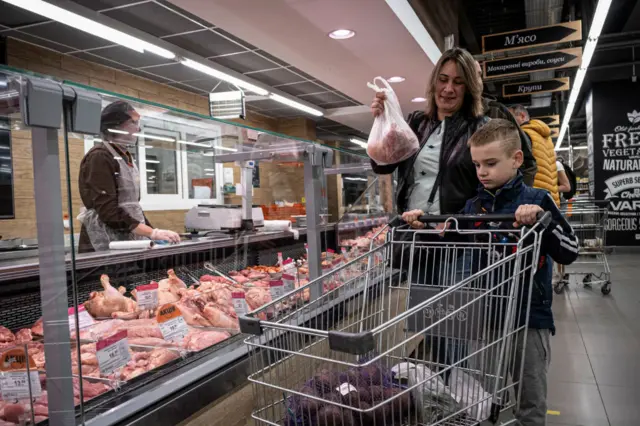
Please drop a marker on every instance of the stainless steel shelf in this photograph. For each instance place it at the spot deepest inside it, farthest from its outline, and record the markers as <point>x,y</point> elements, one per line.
<point>11,269</point>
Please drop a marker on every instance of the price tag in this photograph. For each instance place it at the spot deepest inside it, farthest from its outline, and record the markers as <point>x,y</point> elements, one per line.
<point>172,324</point>
<point>276,288</point>
<point>239,303</point>
<point>113,352</point>
<point>13,384</point>
<point>147,296</point>
<point>330,253</point>
<point>84,319</point>
<point>289,282</point>
<point>280,261</point>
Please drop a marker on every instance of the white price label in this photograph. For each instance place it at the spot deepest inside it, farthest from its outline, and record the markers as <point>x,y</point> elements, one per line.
<point>288,282</point>
<point>113,352</point>
<point>239,303</point>
<point>280,259</point>
<point>289,266</point>
<point>84,319</point>
<point>147,296</point>
<point>172,325</point>
<point>15,386</point>
<point>276,288</point>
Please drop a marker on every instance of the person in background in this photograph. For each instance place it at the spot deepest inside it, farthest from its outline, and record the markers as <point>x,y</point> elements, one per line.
<point>496,154</point>
<point>109,185</point>
<point>563,186</point>
<point>494,109</point>
<point>543,151</point>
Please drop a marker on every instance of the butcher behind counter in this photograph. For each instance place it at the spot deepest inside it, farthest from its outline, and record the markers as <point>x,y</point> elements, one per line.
<point>109,184</point>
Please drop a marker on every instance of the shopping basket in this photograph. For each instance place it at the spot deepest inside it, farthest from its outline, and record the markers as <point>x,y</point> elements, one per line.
<point>588,218</point>
<point>356,355</point>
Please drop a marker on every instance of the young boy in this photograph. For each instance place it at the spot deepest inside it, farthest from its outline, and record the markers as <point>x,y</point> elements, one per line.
<point>495,150</point>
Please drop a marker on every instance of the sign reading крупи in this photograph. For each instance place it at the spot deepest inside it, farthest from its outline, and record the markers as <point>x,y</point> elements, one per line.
<point>530,37</point>
<point>560,84</point>
<point>526,64</point>
<point>614,152</point>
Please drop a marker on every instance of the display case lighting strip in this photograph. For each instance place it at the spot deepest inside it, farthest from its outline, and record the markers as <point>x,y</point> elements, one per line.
<point>296,105</point>
<point>154,138</point>
<point>358,142</point>
<point>599,18</point>
<point>90,26</point>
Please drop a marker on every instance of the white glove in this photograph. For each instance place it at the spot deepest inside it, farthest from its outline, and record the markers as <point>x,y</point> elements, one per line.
<point>165,235</point>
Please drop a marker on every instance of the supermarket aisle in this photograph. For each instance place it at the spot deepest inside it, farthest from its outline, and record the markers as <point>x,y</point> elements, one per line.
<point>595,369</point>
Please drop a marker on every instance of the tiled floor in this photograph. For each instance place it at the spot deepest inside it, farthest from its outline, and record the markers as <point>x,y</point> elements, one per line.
<point>595,366</point>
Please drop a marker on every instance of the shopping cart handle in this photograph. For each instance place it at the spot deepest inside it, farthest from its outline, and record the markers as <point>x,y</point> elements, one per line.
<point>543,217</point>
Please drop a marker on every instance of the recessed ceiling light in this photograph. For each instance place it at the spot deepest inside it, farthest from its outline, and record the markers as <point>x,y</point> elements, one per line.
<point>396,79</point>
<point>418,99</point>
<point>342,34</point>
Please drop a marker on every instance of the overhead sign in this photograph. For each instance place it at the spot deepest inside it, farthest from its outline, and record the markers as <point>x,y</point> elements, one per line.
<point>530,37</point>
<point>526,64</point>
<point>533,87</point>
<point>613,112</point>
<point>549,120</point>
<point>555,132</point>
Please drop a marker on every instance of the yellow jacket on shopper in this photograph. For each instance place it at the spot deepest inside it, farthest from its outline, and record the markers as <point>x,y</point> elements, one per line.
<point>545,155</point>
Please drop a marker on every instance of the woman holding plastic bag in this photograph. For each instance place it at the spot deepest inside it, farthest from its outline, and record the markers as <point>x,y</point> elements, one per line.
<point>438,176</point>
<point>435,172</point>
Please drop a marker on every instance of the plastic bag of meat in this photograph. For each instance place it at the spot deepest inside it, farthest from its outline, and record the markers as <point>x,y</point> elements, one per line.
<point>391,139</point>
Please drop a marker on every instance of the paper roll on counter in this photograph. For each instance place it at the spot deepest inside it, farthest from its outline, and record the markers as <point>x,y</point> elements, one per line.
<point>131,245</point>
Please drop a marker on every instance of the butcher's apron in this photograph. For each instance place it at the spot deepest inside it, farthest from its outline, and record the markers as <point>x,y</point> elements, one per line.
<point>128,184</point>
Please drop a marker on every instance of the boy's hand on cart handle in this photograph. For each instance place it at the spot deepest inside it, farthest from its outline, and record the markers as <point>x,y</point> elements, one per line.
<point>443,227</point>
<point>412,216</point>
<point>527,214</point>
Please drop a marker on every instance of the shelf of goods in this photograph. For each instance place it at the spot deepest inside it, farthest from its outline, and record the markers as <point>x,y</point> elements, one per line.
<point>135,355</point>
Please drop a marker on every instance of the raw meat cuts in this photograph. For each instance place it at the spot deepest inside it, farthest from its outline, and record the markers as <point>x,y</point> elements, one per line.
<point>191,312</point>
<point>257,297</point>
<point>6,336</point>
<point>24,336</point>
<point>197,340</point>
<point>38,328</point>
<point>218,318</point>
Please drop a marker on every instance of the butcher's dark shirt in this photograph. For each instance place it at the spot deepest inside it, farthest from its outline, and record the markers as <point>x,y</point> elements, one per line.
<point>99,190</point>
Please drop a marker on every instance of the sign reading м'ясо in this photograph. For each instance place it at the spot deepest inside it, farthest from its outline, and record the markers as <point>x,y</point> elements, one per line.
<point>531,37</point>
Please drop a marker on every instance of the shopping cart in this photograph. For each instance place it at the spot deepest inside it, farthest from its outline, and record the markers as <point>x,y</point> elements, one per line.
<point>588,218</point>
<point>366,353</point>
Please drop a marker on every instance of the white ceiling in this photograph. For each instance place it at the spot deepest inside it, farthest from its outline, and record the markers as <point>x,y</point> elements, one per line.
<point>296,31</point>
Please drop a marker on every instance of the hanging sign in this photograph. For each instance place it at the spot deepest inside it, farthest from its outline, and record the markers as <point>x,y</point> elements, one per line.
<point>534,87</point>
<point>549,120</point>
<point>613,115</point>
<point>530,37</point>
<point>526,64</point>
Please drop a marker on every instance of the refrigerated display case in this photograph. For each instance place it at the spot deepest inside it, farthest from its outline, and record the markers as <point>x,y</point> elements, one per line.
<point>100,330</point>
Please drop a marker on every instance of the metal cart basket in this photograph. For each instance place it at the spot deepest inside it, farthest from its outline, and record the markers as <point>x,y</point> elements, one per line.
<point>369,351</point>
<point>588,218</point>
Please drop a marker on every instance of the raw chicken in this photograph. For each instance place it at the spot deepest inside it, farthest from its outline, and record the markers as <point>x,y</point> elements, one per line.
<point>24,336</point>
<point>197,340</point>
<point>6,336</point>
<point>159,357</point>
<point>168,289</point>
<point>99,330</point>
<point>13,412</point>
<point>102,304</point>
<point>89,389</point>
<point>257,297</point>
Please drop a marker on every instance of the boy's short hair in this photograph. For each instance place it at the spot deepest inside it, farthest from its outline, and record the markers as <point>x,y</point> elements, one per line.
<point>498,129</point>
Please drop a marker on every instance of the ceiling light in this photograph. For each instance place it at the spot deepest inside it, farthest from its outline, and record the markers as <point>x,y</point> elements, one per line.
<point>296,105</point>
<point>150,171</point>
<point>120,132</point>
<point>200,144</point>
<point>153,137</point>
<point>412,23</point>
<point>222,76</point>
<point>223,148</point>
<point>396,79</point>
<point>209,174</point>
<point>94,28</point>
<point>342,34</point>
<point>358,142</point>
<point>600,16</point>
<point>356,179</point>
<point>152,161</point>
<point>419,99</point>
<point>227,117</point>
<point>209,170</point>
<point>97,140</point>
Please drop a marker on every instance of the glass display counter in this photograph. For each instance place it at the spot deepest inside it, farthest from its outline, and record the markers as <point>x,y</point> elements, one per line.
<point>106,333</point>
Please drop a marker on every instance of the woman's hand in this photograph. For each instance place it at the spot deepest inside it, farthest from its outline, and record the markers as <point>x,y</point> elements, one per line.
<point>527,214</point>
<point>411,217</point>
<point>165,235</point>
<point>377,106</point>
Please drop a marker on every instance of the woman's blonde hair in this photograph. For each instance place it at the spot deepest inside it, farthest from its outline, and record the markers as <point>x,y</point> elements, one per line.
<point>472,103</point>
